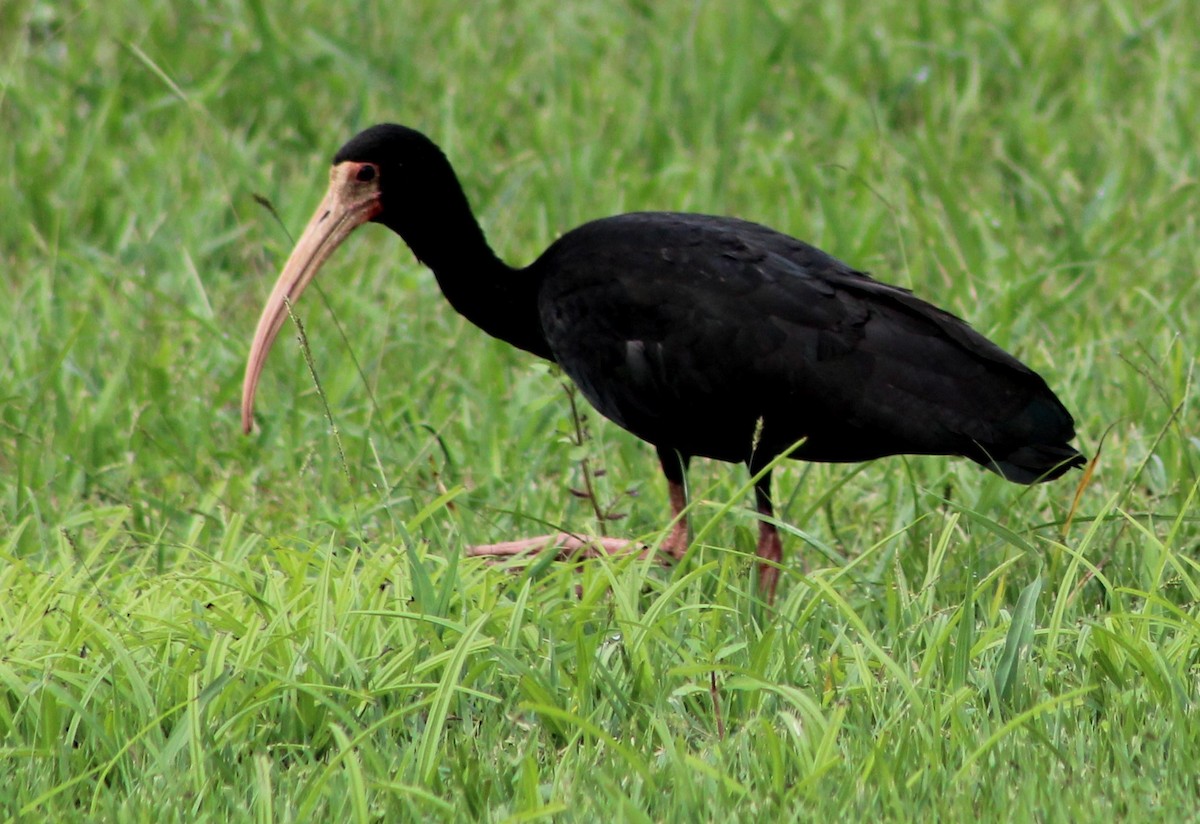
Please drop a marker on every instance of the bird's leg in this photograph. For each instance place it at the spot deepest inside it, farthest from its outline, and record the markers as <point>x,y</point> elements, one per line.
<point>676,543</point>
<point>674,466</point>
<point>770,548</point>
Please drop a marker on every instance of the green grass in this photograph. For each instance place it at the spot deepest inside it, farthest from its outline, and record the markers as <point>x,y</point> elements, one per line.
<point>200,626</point>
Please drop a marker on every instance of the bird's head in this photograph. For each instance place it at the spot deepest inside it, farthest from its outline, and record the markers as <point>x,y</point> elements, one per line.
<point>382,174</point>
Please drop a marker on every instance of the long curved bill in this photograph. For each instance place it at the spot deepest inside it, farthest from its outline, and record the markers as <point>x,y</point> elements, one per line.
<point>353,199</point>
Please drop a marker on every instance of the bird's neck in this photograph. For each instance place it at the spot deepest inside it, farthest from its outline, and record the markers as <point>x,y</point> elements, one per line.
<point>494,296</point>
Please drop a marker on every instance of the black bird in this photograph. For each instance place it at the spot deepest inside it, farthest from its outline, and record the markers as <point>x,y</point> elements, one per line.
<point>702,335</point>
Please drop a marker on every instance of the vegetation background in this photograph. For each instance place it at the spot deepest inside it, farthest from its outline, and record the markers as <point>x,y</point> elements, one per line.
<point>201,626</point>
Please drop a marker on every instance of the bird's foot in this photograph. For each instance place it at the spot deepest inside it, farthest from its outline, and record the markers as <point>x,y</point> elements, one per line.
<point>676,544</point>
<point>563,545</point>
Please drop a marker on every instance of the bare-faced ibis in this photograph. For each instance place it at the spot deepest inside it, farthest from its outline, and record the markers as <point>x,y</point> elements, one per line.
<point>702,335</point>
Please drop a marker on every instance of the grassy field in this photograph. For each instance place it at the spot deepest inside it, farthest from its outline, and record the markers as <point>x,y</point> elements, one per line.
<point>201,626</point>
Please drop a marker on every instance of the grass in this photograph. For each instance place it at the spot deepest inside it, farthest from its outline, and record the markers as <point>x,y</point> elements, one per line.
<point>199,626</point>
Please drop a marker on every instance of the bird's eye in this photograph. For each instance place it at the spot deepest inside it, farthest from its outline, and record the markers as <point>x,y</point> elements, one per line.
<point>366,173</point>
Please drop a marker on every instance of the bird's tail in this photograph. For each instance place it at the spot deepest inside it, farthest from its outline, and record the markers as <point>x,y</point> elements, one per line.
<point>1035,463</point>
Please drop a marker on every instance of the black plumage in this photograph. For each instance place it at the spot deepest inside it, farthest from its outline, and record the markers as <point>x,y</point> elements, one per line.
<point>705,336</point>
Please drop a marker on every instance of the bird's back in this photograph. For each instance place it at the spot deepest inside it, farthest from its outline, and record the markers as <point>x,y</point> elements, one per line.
<point>720,337</point>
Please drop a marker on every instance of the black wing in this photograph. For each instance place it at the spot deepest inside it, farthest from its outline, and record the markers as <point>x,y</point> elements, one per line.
<point>717,337</point>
